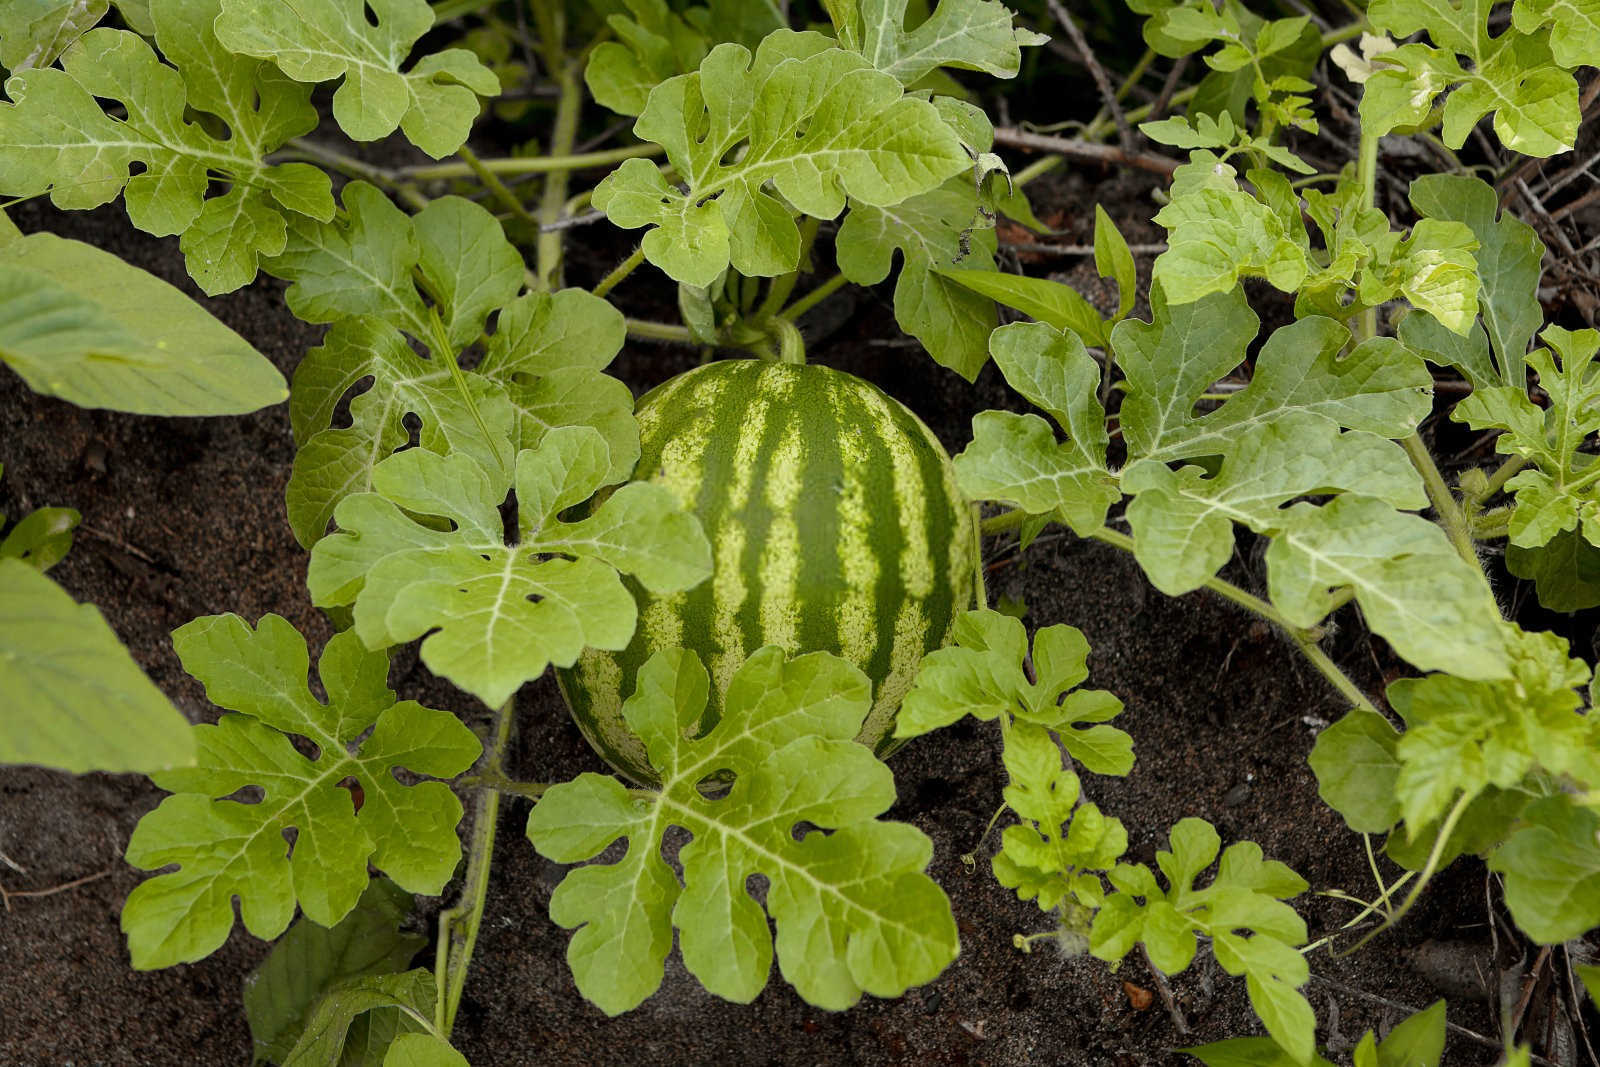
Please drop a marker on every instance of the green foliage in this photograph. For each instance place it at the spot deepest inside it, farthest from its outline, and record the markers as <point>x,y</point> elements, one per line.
<point>434,103</point>
<point>853,911</point>
<point>36,32</point>
<point>310,960</point>
<point>1247,894</point>
<point>227,848</point>
<point>542,366</point>
<point>1551,866</point>
<point>400,1004</point>
<point>1517,76</point>
<point>56,137</point>
<point>75,698</point>
<point>966,34</point>
<point>497,615</point>
<point>1556,494</point>
<point>815,122</point>
<point>80,324</point>
<point>1416,1041</point>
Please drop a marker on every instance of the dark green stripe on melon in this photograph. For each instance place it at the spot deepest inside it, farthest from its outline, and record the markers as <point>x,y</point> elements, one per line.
<point>835,524</point>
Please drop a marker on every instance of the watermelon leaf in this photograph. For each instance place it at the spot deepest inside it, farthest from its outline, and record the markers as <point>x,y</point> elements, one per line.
<point>310,959</point>
<point>497,615</point>
<point>227,848</point>
<point>1551,865</point>
<point>930,230</point>
<point>1529,88</point>
<point>966,34</point>
<point>853,909</point>
<point>793,104</point>
<point>382,1000</point>
<point>434,103</point>
<point>1557,493</point>
<point>38,31</point>
<point>55,136</point>
<point>1246,894</point>
<point>542,367</point>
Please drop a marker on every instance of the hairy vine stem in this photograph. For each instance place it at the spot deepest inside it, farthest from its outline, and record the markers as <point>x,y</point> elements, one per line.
<point>458,926</point>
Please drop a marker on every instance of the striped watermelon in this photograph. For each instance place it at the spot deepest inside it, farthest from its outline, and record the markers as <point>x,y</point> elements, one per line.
<point>835,524</point>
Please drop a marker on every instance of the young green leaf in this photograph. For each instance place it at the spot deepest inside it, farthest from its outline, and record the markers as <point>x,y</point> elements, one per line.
<point>311,959</point>
<point>1113,260</point>
<point>422,1050</point>
<point>328,1028</point>
<point>434,103</point>
<point>1515,75</point>
<point>41,539</point>
<point>1016,458</point>
<point>930,231</point>
<point>981,674</point>
<point>1558,493</point>
<point>228,848</point>
<point>1356,766</point>
<point>1463,736</point>
<point>853,909</point>
<point>966,34</point>
<point>55,137</point>
<point>1416,1041</point>
<point>1551,866</point>
<point>1247,894</point>
<point>1509,257</point>
<point>497,615</point>
<point>36,32</point>
<point>76,699</point>
<point>81,324</point>
<point>816,124</point>
<point>1047,857</point>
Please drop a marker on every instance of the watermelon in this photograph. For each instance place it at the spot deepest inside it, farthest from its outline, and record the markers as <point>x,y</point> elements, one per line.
<point>835,524</point>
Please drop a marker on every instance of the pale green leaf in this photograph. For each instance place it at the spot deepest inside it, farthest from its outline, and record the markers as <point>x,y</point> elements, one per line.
<point>1534,99</point>
<point>931,231</point>
<point>815,125</point>
<point>38,31</point>
<point>1218,234</point>
<point>1355,764</point>
<point>1016,458</point>
<point>81,324</point>
<point>1574,27</point>
<point>1250,1052</point>
<point>422,1050</point>
<point>42,538</point>
<point>310,959</point>
<point>1558,493</point>
<point>55,137</point>
<point>1414,589</point>
<point>966,34</point>
<point>496,614</point>
<point>1113,260</point>
<point>229,848</point>
<point>435,102</point>
<point>1416,1041</point>
<point>853,911</point>
<point>653,45</point>
<point>1565,571</point>
<point>1551,866</point>
<point>1183,522</point>
<point>76,700</point>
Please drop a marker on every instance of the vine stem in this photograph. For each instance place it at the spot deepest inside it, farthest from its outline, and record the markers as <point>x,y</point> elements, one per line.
<point>659,331</point>
<point>453,956</point>
<point>1435,854</point>
<point>492,180</point>
<point>530,165</point>
<point>1451,516</point>
<point>1497,481</point>
<point>813,298</point>
<point>1303,640</point>
<point>548,249</point>
<point>623,269</point>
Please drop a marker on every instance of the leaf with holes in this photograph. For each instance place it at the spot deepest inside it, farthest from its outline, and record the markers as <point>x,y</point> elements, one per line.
<point>434,103</point>
<point>425,553</point>
<point>853,910</point>
<point>816,124</point>
<point>227,848</point>
<point>1247,894</point>
<point>56,137</point>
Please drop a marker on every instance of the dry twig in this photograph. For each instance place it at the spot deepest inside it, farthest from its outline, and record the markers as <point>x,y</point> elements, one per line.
<point>1096,71</point>
<point>1085,150</point>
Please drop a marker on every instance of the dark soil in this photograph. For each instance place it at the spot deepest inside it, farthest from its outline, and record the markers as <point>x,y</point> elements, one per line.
<point>185,517</point>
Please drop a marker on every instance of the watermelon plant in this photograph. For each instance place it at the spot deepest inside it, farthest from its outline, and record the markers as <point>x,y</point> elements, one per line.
<point>764,574</point>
